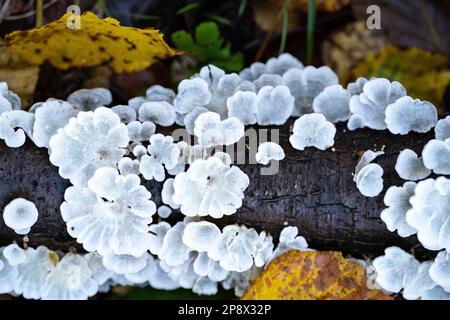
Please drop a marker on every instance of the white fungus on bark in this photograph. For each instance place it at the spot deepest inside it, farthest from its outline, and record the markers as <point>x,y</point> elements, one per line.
<point>333,102</point>
<point>209,187</point>
<point>436,156</point>
<point>289,240</point>
<point>15,125</point>
<point>243,105</point>
<point>442,129</point>
<point>275,105</point>
<point>167,194</point>
<point>164,212</point>
<point>91,140</point>
<point>440,270</point>
<point>368,108</point>
<point>410,167</point>
<point>192,93</point>
<point>397,201</point>
<point>49,117</point>
<point>113,214</point>
<point>211,131</point>
<point>162,152</point>
<point>14,254</point>
<point>312,130</point>
<point>90,99</point>
<point>126,113</point>
<point>124,263</point>
<point>20,215</point>
<point>406,115</point>
<point>201,236</point>
<point>140,131</point>
<point>159,112</point>
<point>306,84</point>
<point>159,93</point>
<point>191,117</point>
<point>268,151</point>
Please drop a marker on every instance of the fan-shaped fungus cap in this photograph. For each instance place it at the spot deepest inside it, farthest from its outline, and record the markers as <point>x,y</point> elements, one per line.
<point>406,115</point>
<point>159,93</point>
<point>14,125</point>
<point>90,99</point>
<point>192,93</point>
<point>333,102</point>
<point>442,129</point>
<point>209,187</point>
<point>124,263</point>
<point>20,215</point>
<point>126,113</point>
<point>14,254</point>
<point>397,200</point>
<point>436,156</point>
<point>211,131</point>
<point>274,106</point>
<point>159,112</point>
<point>243,105</point>
<point>201,236</point>
<point>410,167</point>
<point>312,130</point>
<point>268,151</point>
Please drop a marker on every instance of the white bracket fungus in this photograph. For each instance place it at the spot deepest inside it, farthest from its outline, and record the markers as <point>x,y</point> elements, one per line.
<point>201,236</point>
<point>173,250</point>
<point>14,254</point>
<point>159,93</point>
<point>306,84</point>
<point>436,156</point>
<point>49,117</point>
<point>111,215</point>
<point>440,270</point>
<point>356,88</point>
<point>191,117</point>
<point>268,151</point>
<point>410,167</point>
<point>272,80</point>
<point>312,130</point>
<point>397,200</point>
<point>159,112</point>
<point>162,152</point>
<point>20,215</point>
<point>164,212</point>
<point>368,108</point>
<point>126,113</point>
<point>274,106</point>
<point>138,131</point>
<point>430,213</point>
<point>124,263</point>
<point>90,99</point>
<point>442,129</point>
<point>192,93</point>
<point>128,166</point>
<point>14,125</point>
<point>167,194</point>
<point>70,280</point>
<point>243,105</point>
<point>209,187</point>
<point>289,240</point>
<point>368,176</point>
<point>91,140</point>
<point>211,131</point>
<point>406,115</point>
<point>333,102</point>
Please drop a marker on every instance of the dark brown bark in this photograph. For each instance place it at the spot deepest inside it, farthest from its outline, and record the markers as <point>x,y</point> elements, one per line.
<point>313,190</point>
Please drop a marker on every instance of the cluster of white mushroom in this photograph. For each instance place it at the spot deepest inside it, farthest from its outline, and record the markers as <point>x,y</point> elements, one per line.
<point>107,153</point>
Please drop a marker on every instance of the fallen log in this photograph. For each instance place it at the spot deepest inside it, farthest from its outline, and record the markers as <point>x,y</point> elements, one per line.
<point>313,190</point>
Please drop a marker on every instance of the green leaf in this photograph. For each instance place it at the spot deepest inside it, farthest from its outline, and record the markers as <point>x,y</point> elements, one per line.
<point>183,40</point>
<point>207,33</point>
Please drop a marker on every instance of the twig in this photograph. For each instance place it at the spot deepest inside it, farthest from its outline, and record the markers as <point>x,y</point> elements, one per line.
<point>310,30</point>
<point>39,13</point>
<point>284,28</point>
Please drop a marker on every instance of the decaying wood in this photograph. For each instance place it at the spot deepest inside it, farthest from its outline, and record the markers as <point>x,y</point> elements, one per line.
<point>313,190</point>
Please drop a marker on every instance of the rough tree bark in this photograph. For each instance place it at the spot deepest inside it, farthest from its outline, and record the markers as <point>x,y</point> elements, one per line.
<point>313,190</point>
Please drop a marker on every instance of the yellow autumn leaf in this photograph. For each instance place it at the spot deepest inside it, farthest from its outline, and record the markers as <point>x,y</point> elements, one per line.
<point>425,75</point>
<point>312,275</point>
<point>97,42</point>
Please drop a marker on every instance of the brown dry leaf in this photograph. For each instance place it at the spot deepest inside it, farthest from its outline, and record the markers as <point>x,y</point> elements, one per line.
<point>425,75</point>
<point>21,76</point>
<point>344,49</point>
<point>312,275</point>
<point>97,42</point>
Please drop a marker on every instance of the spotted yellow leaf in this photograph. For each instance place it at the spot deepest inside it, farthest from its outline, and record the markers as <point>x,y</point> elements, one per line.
<point>97,42</point>
<point>312,275</point>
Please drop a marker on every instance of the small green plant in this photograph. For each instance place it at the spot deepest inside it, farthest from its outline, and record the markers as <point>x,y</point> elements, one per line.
<point>208,47</point>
